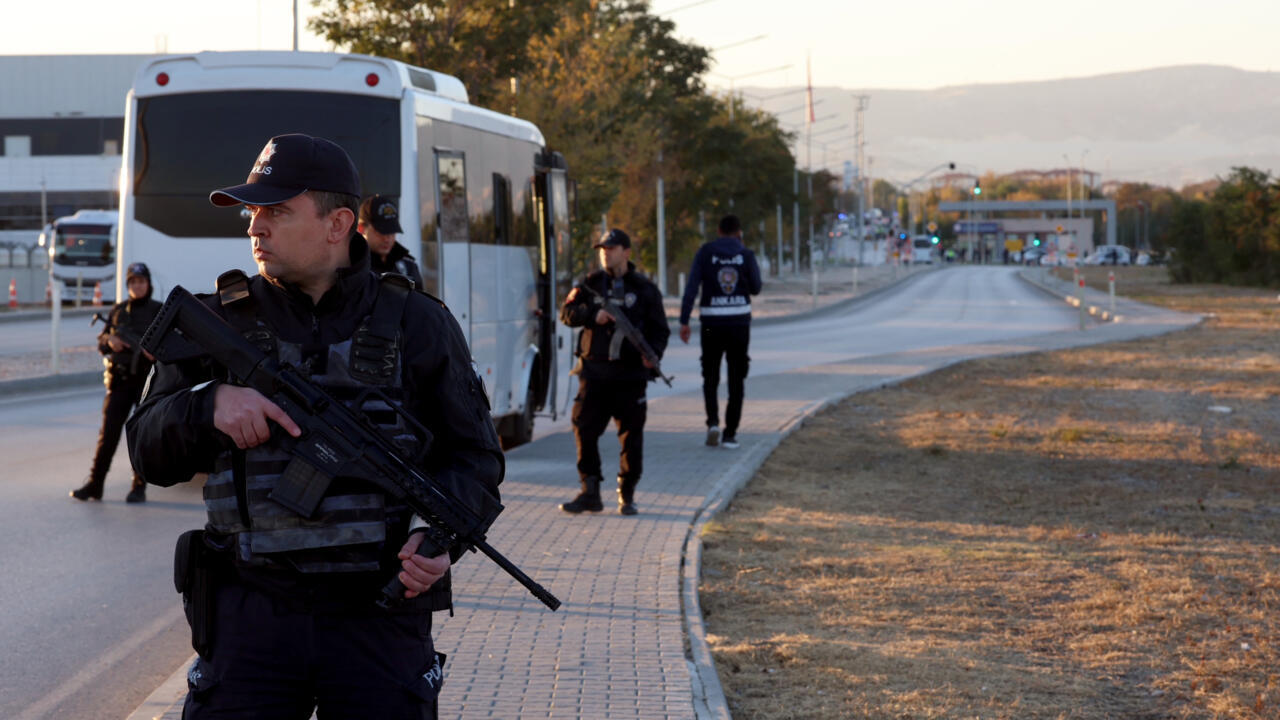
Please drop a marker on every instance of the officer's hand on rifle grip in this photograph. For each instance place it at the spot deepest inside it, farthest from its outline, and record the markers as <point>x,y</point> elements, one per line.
<point>242,413</point>
<point>603,318</point>
<point>423,562</point>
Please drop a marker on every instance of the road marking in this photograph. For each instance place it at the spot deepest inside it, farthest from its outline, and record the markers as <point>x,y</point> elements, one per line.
<point>97,666</point>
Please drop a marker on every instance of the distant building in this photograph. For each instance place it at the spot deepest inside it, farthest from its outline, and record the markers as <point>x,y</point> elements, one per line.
<point>61,122</point>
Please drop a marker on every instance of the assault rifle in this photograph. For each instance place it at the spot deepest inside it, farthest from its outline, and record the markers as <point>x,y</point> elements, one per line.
<point>125,334</point>
<point>630,332</point>
<point>335,441</point>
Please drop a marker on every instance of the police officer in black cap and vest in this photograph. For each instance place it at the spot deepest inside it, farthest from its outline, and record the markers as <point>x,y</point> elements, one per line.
<point>379,222</point>
<point>612,374</point>
<point>289,623</point>
<point>126,374</point>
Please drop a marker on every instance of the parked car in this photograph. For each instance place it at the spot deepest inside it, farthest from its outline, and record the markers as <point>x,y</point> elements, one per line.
<point>1109,255</point>
<point>1033,255</point>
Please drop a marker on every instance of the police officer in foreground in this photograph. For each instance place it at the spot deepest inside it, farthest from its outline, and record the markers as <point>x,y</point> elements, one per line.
<point>379,222</point>
<point>126,374</point>
<point>612,375</point>
<point>289,622</point>
<point>726,274</point>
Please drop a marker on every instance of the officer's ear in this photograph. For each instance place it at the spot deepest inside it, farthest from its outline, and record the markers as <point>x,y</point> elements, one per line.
<point>340,222</point>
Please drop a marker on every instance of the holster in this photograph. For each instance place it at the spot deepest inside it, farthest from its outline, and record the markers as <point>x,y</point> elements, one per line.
<point>194,576</point>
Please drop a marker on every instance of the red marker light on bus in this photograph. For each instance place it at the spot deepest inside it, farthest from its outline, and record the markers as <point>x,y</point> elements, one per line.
<point>371,79</point>
<point>162,79</point>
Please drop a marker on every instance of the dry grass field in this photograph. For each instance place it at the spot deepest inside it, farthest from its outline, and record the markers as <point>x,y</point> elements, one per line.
<point>1092,533</point>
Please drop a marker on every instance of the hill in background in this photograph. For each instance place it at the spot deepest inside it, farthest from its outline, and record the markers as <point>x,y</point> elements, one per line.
<point>1169,126</point>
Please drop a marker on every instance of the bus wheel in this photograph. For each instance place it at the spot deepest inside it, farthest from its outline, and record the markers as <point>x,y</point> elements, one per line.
<point>521,426</point>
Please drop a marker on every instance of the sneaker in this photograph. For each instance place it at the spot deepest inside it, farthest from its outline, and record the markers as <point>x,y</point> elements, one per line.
<point>730,442</point>
<point>713,436</point>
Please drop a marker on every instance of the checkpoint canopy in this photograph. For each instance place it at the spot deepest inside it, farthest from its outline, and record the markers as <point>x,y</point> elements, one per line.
<point>1081,228</point>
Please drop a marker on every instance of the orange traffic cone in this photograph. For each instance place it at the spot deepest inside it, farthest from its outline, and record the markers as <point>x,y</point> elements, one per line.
<point>97,294</point>
<point>13,293</point>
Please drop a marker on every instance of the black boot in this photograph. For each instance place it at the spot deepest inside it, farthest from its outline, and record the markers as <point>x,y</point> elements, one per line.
<point>91,490</point>
<point>626,496</point>
<point>588,499</point>
<point>137,493</point>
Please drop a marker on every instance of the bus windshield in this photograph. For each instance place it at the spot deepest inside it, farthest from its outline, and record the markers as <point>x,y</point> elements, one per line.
<point>189,145</point>
<point>83,245</point>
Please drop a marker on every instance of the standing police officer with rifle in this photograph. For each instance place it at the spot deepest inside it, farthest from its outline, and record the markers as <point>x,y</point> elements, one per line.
<point>613,373</point>
<point>284,607</point>
<point>126,374</point>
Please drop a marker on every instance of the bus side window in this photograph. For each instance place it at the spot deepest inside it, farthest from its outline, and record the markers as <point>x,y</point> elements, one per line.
<point>501,209</point>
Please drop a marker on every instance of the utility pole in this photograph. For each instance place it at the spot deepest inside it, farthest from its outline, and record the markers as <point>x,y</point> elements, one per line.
<point>778,271</point>
<point>795,215</point>
<point>860,106</point>
<point>295,25</point>
<point>662,233</point>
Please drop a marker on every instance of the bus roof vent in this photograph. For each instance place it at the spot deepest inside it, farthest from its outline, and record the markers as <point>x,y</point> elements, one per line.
<point>421,79</point>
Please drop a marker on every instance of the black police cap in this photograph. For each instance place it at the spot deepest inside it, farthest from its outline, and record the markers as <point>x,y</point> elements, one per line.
<point>614,238</point>
<point>290,165</point>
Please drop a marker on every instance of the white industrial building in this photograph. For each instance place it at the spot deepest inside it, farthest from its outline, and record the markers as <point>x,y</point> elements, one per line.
<point>61,120</point>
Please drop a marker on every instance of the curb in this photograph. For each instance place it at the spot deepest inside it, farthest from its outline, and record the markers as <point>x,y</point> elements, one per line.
<point>169,695</point>
<point>1070,298</point>
<point>62,381</point>
<point>834,307</point>
<point>42,314</point>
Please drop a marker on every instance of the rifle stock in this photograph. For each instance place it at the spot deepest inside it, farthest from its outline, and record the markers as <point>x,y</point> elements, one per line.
<point>334,441</point>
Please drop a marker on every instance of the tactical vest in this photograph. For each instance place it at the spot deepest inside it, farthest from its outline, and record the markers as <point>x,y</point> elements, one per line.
<point>350,529</point>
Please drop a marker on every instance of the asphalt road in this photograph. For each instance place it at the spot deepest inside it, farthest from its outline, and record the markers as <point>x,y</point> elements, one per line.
<point>89,620</point>
<point>31,336</point>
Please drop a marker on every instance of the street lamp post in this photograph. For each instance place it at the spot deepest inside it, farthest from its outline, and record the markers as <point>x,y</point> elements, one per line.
<point>1082,194</point>
<point>1069,181</point>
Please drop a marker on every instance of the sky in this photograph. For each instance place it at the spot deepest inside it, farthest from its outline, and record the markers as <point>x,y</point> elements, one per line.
<point>906,44</point>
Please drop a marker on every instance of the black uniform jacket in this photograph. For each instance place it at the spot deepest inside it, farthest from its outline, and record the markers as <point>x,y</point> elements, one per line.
<point>133,317</point>
<point>643,306</point>
<point>171,434</point>
<point>398,260</point>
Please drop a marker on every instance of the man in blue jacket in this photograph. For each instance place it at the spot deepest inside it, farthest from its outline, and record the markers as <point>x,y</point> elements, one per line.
<point>727,275</point>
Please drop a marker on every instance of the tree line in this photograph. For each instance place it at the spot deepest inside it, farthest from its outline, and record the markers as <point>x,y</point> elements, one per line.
<point>616,92</point>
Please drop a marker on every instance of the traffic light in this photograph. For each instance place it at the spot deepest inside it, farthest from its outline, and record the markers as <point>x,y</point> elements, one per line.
<point>902,236</point>
<point>1035,241</point>
<point>935,239</point>
<point>977,187</point>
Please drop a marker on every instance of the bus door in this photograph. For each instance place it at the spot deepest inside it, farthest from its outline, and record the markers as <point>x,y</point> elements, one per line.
<point>562,274</point>
<point>453,231</point>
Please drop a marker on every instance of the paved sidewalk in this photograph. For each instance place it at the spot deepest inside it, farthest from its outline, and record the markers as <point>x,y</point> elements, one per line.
<point>628,641</point>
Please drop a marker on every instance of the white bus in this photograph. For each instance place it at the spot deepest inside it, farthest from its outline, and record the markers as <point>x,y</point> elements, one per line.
<point>484,204</point>
<point>923,249</point>
<point>82,252</point>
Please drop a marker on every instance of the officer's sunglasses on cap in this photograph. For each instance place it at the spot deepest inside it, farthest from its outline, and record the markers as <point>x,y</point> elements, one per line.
<point>137,269</point>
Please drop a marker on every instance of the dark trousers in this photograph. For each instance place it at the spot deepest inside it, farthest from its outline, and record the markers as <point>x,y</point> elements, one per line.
<point>729,342</point>
<point>272,662</point>
<point>598,402</point>
<point>123,392</point>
